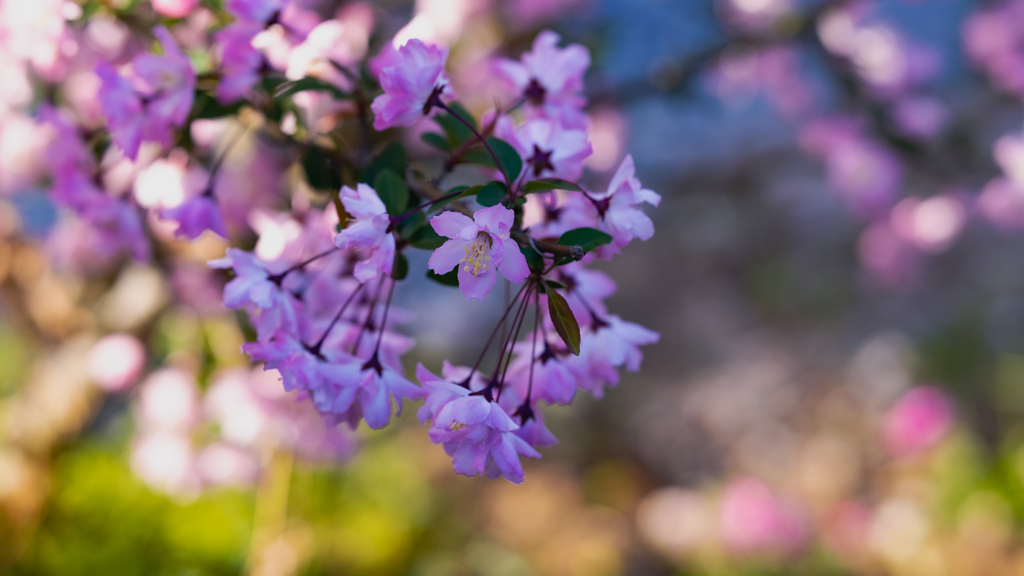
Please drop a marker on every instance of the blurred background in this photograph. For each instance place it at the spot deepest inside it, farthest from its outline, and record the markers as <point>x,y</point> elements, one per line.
<point>836,276</point>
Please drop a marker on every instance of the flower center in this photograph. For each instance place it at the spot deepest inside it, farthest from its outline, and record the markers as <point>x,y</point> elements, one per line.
<point>455,426</point>
<point>478,254</point>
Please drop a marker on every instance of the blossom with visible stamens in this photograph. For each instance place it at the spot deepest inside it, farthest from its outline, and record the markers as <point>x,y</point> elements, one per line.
<point>478,434</point>
<point>480,248</point>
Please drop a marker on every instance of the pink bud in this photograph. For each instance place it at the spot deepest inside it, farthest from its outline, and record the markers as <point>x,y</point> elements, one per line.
<point>919,420</point>
<point>174,8</point>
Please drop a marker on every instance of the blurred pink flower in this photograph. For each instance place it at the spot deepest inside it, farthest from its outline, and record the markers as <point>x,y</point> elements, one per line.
<point>921,418</point>
<point>368,232</point>
<point>754,520</point>
<point>116,361</point>
<point>174,8</point>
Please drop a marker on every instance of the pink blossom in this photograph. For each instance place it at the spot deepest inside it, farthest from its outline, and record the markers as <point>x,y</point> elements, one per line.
<point>239,61</point>
<point>550,78</point>
<point>618,210</point>
<point>475,432</point>
<point>921,418</point>
<point>608,344</point>
<point>366,391</point>
<point>195,216</point>
<point>255,10</point>
<point>154,100</point>
<point>123,110</point>
<point>367,232</point>
<point>255,290</point>
<point>480,248</point>
<point>756,521</point>
<point>548,149</point>
<point>174,8</point>
<point>416,76</point>
<point>116,361</point>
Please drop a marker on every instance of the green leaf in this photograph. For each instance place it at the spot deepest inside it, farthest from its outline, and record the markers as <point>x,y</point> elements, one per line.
<point>322,171</point>
<point>392,191</point>
<point>436,140</point>
<point>564,321</point>
<point>550,184</point>
<point>206,106</point>
<point>479,156</point>
<point>491,194</point>
<point>426,238</point>
<point>588,238</point>
<point>466,193</point>
<point>393,157</point>
<point>410,225</point>
<point>555,285</point>
<point>534,260</point>
<point>508,157</point>
<point>400,269</point>
<point>305,84</point>
<point>449,279</point>
<point>454,128</point>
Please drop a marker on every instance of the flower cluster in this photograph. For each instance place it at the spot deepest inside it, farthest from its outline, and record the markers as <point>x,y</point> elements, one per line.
<point>261,138</point>
<point>323,319</point>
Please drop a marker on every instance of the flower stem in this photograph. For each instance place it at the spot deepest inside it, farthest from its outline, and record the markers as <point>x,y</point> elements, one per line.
<point>483,140</point>
<point>278,278</point>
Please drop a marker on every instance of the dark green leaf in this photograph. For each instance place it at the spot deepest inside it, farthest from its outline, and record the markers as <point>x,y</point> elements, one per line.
<point>479,156</point>
<point>304,84</point>
<point>456,129</point>
<point>436,140</point>
<point>206,106</point>
<point>564,321</point>
<point>393,157</point>
<point>508,156</point>
<point>426,239</point>
<point>392,191</point>
<point>534,260</point>
<point>400,269</point>
<point>555,285</point>
<point>411,224</point>
<point>550,184</point>
<point>449,279</point>
<point>466,193</point>
<point>588,238</point>
<point>322,171</point>
<point>491,194</point>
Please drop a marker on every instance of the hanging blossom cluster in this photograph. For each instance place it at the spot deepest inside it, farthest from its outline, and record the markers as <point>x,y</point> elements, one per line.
<point>326,322</point>
<point>134,145</point>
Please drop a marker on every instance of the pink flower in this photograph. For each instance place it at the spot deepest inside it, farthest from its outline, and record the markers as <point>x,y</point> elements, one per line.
<point>480,248</point>
<point>617,207</point>
<point>550,78</point>
<point>116,361</point>
<point>255,10</point>
<point>918,421</point>
<point>367,392</point>
<point>607,344</point>
<point>254,289</point>
<point>153,101</point>
<point>367,232</point>
<point>476,433</point>
<point>195,216</point>
<point>239,61</point>
<point>549,150</point>
<point>123,110</point>
<point>756,521</point>
<point>174,8</point>
<point>415,78</point>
